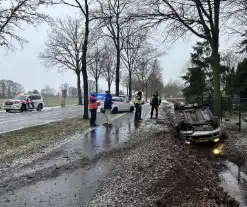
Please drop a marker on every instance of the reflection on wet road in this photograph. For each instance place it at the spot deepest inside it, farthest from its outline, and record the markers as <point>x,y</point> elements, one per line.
<point>104,138</point>
<point>56,186</point>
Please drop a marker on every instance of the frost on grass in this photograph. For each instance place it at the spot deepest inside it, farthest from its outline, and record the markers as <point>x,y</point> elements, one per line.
<point>22,144</point>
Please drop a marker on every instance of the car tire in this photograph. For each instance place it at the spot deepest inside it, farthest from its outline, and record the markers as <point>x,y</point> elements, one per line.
<point>23,108</point>
<point>7,110</point>
<point>114,110</point>
<point>132,109</point>
<point>40,107</point>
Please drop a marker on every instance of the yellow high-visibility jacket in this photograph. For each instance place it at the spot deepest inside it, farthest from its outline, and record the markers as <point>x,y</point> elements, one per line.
<point>138,100</point>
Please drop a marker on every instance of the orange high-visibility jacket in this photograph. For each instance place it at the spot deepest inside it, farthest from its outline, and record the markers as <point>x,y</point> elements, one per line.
<point>92,105</point>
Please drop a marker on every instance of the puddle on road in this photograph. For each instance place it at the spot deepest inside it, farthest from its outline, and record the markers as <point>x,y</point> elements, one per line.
<point>98,140</point>
<point>69,189</point>
<point>103,139</point>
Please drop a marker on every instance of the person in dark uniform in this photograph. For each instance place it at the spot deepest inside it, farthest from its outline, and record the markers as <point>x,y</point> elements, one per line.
<point>155,102</point>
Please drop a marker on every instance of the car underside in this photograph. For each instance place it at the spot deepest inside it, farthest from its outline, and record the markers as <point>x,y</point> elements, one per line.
<point>197,124</point>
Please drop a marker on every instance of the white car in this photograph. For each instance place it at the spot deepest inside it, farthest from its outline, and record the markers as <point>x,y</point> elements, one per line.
<point>20,103</point>
<point>119,104</point>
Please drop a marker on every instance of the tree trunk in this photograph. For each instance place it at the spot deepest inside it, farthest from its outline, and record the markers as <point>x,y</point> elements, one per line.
<point>130,86</point>
<point>79,88</point>
<point>118,72</point>
<point>96,85</point>
<point>146,92</point>
<point>84,62</point>
<point>216,82</point>
<point>109,86</point>
<point>216,59</point>
<point>85,88</point>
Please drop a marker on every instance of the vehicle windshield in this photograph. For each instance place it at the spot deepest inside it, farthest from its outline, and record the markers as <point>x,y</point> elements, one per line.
<point>20,98</point>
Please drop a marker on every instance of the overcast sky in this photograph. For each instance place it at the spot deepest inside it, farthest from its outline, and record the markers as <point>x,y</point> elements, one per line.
<point>24,67</point>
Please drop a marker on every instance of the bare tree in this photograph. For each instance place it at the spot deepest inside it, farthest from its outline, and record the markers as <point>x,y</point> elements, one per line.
<point>125,83</point>
<point>64,48</point>
<point>133,44</point>
<point>109,68</point>
<point>198,17</point>
<point>112,14</point>
<point>91,86</point>
<point>9,88</point>
<point>147,69</point>
<point>238,14</point>
<point>15,14</point>
<point>97,59</point>
<point>83,8</point>
<point>230,59</point>
<point>48,91</point>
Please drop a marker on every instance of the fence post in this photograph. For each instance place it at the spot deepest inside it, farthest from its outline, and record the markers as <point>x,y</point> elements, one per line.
<point>239,112</point>
<point>221,108</point>
<point>63,100</point>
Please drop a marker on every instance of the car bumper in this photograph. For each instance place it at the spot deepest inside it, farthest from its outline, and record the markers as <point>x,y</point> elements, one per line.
<point>202,136</point>
<point>12,107</point>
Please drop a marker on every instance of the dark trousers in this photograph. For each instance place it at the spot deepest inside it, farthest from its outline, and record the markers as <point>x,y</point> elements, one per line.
<point>93,116</point>
<point>138,112</point>
<point>28,104</point>
<point>156,110</point>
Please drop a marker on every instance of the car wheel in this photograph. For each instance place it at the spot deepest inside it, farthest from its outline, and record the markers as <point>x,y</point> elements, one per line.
<point>115,110</point>
<point>7,110</point>
<point>132,108</point>
<point>40,107</point>
<point>23,108</point>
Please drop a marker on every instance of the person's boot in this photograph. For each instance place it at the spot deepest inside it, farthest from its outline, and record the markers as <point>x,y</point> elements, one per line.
<point>151,117</point>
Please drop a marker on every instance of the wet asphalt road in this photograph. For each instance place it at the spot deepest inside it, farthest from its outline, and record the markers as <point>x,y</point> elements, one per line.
<point>66,177</point>
<point>13,121</point>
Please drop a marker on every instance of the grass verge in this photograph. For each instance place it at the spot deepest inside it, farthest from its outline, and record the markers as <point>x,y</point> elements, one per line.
<point>56,101</point>
<point>21,144</point>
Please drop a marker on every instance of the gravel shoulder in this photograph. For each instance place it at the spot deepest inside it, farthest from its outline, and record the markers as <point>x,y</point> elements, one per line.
<point>18,146</point>
<point>154,169</point>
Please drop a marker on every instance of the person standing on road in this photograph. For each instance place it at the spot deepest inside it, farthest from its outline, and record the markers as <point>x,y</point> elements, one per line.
<point>138,105</point>
<point>107,107</point>
<point>93,106</point>
<point>155,102</point>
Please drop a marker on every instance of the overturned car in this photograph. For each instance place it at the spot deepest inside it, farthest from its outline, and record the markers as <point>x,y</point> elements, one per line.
<point>197,124</point>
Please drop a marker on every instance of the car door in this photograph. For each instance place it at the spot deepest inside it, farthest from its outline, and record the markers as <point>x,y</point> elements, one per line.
<point>125,104</point>
<point>35,100</point>
<point>118,103</point>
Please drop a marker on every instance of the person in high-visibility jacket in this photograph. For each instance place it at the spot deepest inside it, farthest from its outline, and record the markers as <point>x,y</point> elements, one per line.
<point>155,102</point>
<point>93,106</point>
<point>138,105</point>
